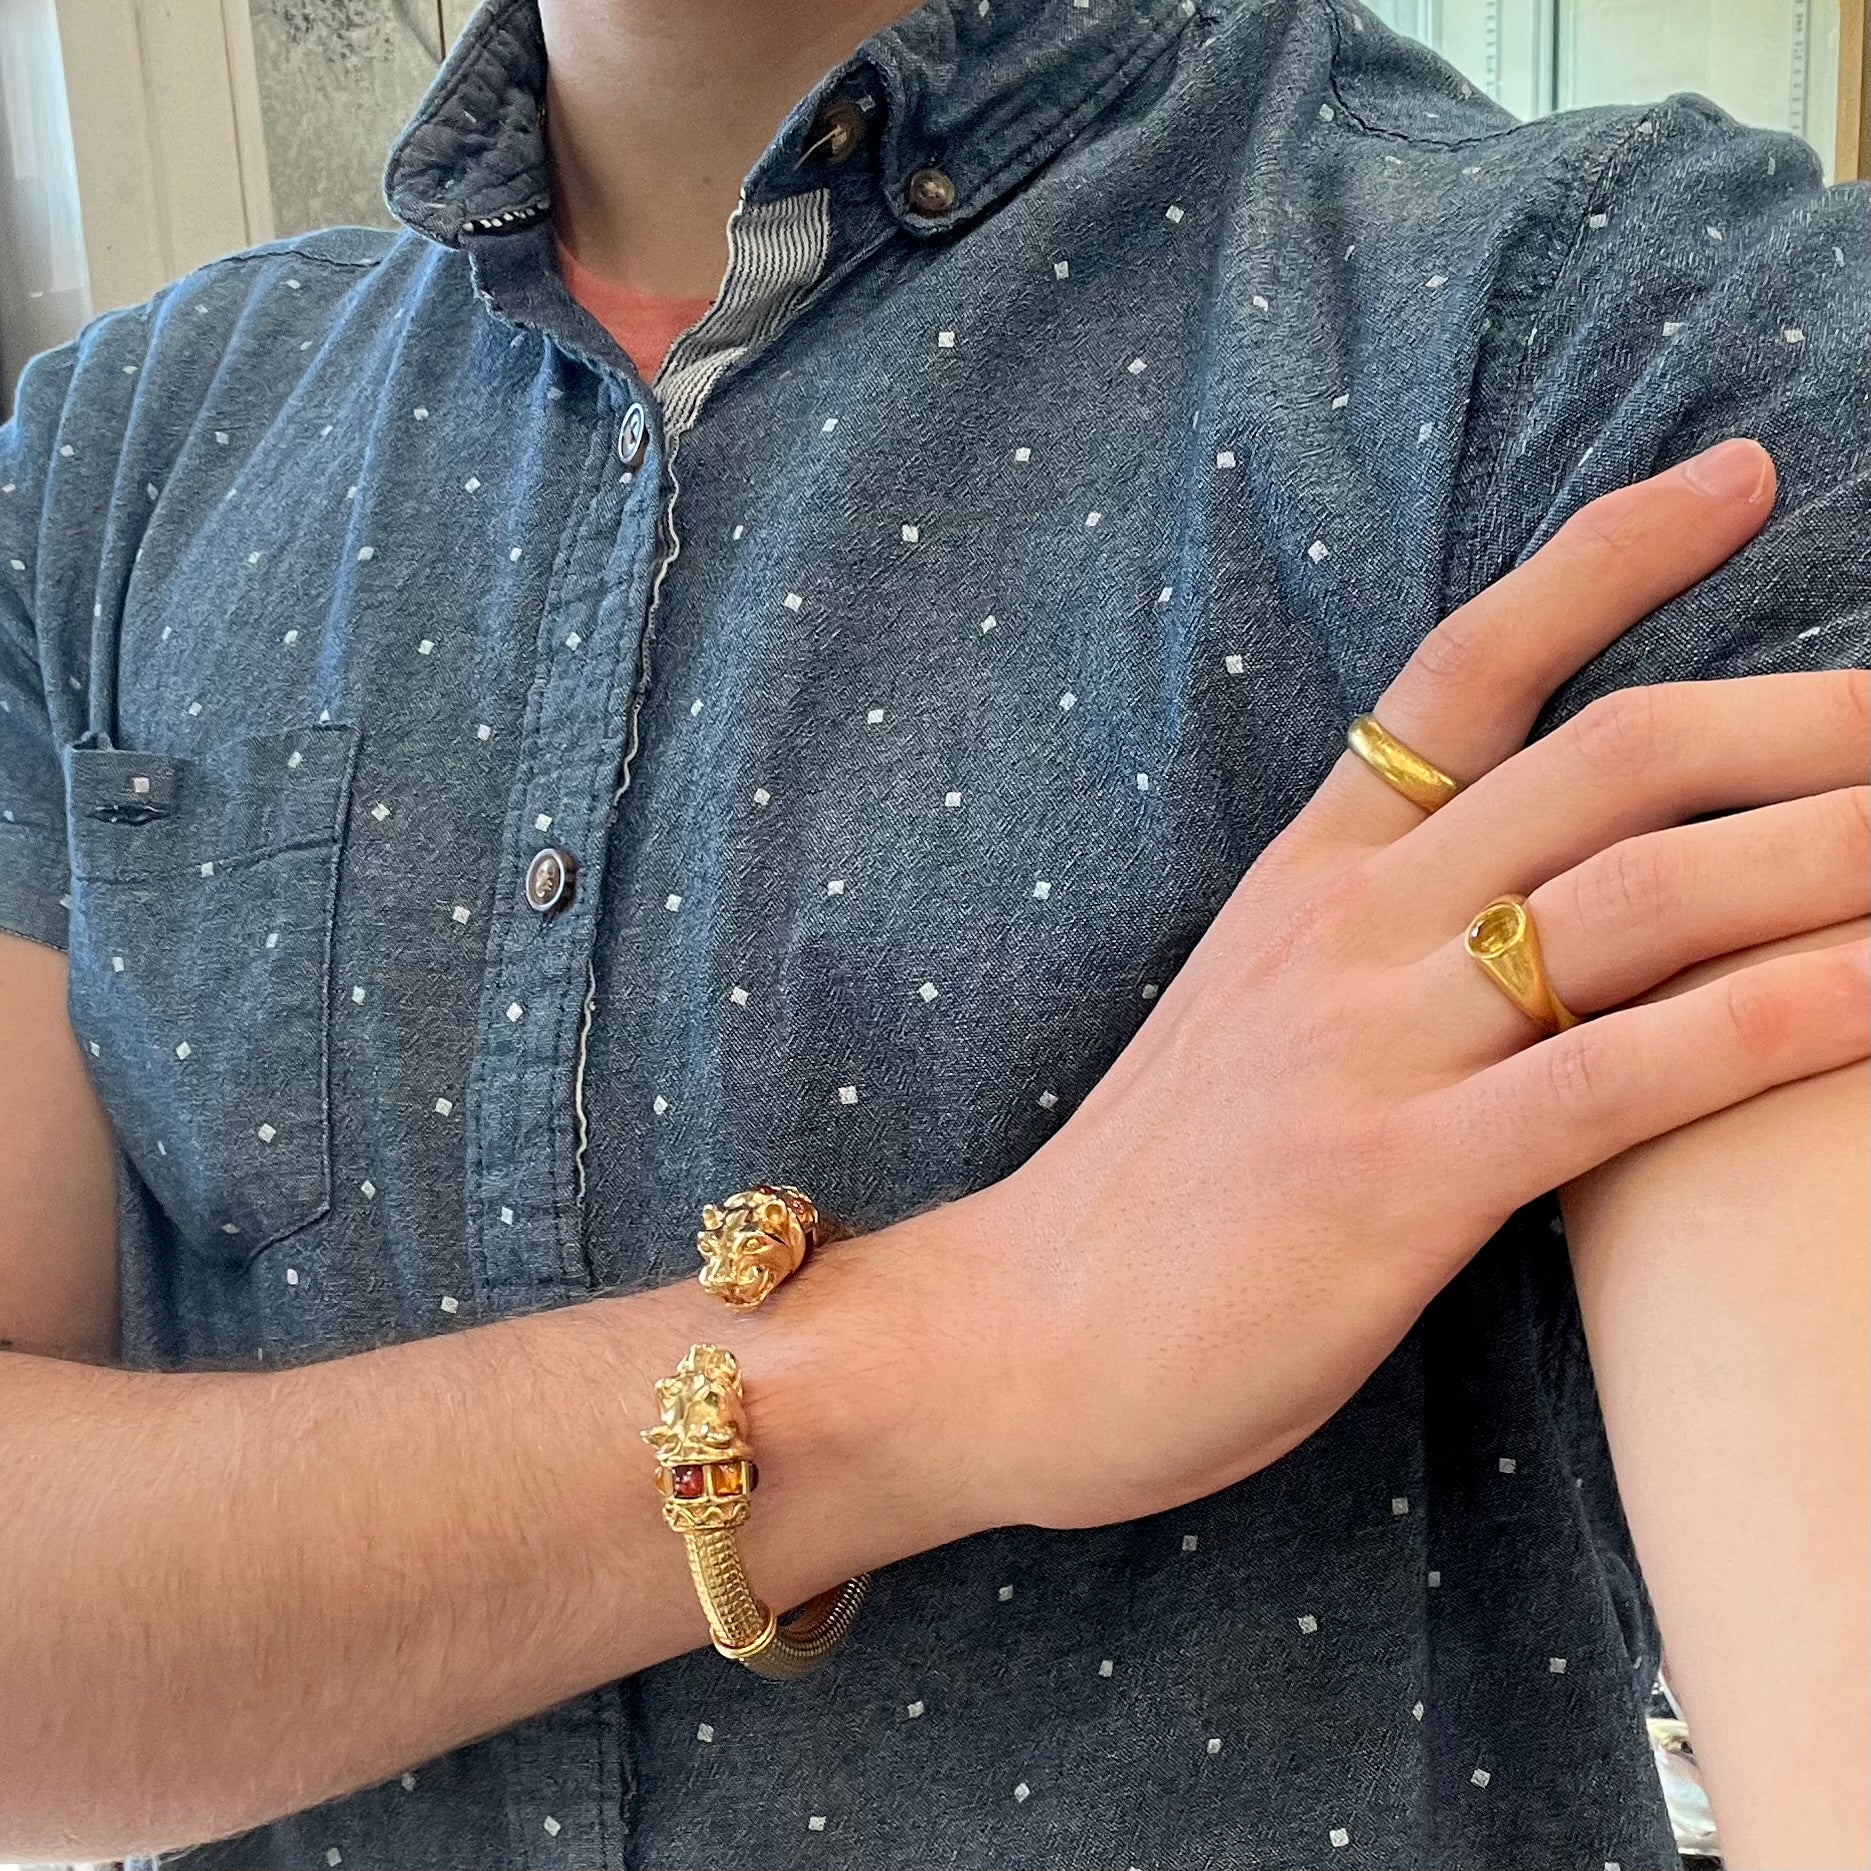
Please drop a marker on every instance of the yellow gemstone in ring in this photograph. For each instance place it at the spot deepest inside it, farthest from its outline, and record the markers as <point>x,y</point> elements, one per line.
<point>1496,930</point>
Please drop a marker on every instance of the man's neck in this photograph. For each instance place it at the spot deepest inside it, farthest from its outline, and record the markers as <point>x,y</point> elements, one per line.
<point>657,109</point>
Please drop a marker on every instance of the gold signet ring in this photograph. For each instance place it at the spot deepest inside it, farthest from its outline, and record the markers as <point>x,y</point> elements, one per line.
<point>1503,940</point>
<point>1401,768</point>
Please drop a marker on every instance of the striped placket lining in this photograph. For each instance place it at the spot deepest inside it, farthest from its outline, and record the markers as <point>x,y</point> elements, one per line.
<point>776,252</point>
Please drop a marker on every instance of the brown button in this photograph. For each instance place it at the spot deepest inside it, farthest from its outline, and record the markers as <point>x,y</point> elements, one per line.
<point>550,879</point>
<point>931,192</point>
<point>633,437</point>
<point>837,132</point>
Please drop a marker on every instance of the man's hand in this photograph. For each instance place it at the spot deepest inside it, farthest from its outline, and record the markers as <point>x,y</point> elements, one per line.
<point>1331,1109</point>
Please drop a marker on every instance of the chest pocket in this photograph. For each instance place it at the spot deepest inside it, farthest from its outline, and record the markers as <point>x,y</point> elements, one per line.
<point>202,903</point>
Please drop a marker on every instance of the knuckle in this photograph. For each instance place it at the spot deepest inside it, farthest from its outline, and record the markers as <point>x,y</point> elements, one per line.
<point>1854,704</point>
<point>1345,899</point>
<point>1313,921</point>
<point>1582,1073</point>
<point>1846,1015</point>
<point>1852,826</point>
<point>1457,652</point>
<point>1604,531</point>
<point>1369,1159</point>
<point>1759,1014</point>
<point>1619,734</point>
<point>1627,885</point>
<point>1180,1041</point>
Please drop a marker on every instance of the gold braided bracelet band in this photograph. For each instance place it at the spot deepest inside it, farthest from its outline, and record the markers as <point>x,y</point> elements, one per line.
<point>705,1469</point>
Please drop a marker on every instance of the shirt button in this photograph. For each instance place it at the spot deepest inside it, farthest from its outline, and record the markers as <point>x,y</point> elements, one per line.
<point>633,437</point>
<point>931,192</point>
<point>550,879</point>
<point>837,131</point>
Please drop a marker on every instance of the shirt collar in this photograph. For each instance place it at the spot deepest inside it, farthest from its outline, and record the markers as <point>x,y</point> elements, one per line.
<point>986,92</point>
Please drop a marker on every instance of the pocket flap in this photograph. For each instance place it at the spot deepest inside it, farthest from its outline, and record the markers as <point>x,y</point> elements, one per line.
<point>139,815</point>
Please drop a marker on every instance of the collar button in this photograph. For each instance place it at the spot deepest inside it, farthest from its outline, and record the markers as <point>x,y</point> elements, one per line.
<point>838,132</point>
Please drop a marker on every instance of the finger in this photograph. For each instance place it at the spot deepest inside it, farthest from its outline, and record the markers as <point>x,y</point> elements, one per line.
<point>1640,912</point>
<point>1472,690</point>
<point>1635,761</point>
<point>1569,1103</point>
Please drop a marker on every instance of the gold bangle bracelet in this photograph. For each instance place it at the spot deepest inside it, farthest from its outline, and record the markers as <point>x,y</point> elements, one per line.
<point>746,1631</point>
<point>706,1471</point>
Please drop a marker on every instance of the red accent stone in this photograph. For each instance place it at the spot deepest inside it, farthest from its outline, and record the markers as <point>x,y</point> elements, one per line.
<point>685,1483</point>
<point>753,1476</point>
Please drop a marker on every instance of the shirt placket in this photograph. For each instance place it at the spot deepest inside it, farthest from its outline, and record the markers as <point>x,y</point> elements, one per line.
<point>593,662</point>
<point>522,1207</point>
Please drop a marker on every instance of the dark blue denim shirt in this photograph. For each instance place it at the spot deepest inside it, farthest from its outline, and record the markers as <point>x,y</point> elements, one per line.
<point>997,579</point>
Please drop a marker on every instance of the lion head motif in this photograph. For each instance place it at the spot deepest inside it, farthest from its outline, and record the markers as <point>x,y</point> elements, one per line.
<point>700,1407</point>
<point>753,1241</point>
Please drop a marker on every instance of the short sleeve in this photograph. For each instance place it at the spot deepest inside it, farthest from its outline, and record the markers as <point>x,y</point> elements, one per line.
<point>34,878</point>
<point>1710,286</point>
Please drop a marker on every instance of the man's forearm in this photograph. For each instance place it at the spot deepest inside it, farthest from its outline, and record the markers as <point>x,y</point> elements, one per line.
<point>232,1595</point>
<point>1722,1277</point>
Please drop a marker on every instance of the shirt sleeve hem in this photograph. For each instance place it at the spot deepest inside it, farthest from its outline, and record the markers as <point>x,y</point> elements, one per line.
<point>34,892</point>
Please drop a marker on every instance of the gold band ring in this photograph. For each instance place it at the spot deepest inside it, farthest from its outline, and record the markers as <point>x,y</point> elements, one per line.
<point>1503,940</point>
<point>1401,768</point>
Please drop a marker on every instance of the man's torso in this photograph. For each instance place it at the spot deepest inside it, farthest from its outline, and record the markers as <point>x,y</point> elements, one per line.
<point>992,589</point>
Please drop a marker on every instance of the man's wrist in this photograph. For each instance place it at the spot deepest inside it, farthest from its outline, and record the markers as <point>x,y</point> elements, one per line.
<point>867,1378</point>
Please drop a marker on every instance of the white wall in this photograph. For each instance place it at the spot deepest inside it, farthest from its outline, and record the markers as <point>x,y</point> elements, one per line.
<point>1769,62</point>
<point>336,83</point>
<point>130,151</point>
<point>44,290</point>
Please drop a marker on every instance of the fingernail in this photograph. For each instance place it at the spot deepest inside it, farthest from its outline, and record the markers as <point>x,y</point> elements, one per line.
<point>1735,469</point>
